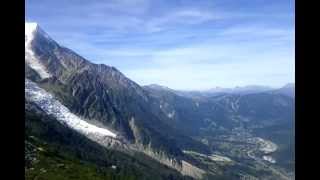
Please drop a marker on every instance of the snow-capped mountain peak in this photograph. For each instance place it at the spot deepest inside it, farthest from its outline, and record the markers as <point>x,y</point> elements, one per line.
<point>31,28</point>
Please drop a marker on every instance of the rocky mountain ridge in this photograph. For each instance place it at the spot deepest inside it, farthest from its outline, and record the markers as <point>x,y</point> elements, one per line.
<point>99,93</point>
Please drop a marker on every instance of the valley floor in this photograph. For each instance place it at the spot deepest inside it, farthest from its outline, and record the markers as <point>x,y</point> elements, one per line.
<point>248,155</point>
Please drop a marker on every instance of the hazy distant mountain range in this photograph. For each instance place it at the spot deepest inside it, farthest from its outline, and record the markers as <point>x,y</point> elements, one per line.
<point>89,121</point>
<point>287,89</point>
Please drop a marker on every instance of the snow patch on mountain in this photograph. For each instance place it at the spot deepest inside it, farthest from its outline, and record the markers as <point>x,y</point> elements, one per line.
<point>269,159</point>
<point>265,146</point>
<point>219,158</point>
<point>171,114</point>
<point>30,58</point>
<point>53,107</point>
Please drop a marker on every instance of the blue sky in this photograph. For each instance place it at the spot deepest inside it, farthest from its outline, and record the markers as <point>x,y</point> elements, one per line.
<point>181,44</point>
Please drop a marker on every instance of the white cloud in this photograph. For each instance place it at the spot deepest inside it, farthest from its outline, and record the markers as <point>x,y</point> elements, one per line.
<point>179,17</point>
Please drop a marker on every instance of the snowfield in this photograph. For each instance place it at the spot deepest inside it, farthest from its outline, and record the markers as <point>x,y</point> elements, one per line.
<point>53,107</point>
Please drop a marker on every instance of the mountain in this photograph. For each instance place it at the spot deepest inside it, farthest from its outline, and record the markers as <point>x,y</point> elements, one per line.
<point>251,89</point>
<point>232,119</point>
<point>103,98</point>
<point>97,122</point>
<point>230,110</point>
<point>288,90</point>
<point>158,87</point>
<point>55,151</point>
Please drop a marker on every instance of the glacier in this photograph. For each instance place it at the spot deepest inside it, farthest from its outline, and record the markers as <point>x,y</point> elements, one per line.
<point>53,107</point>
